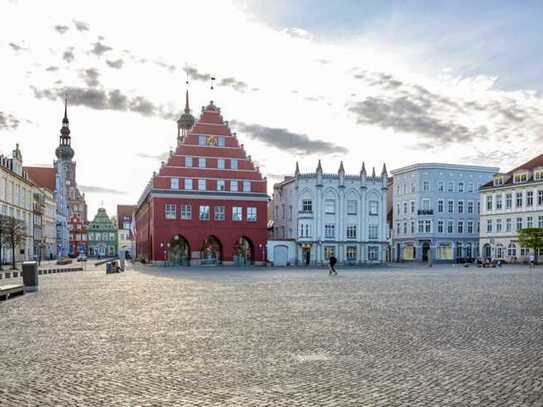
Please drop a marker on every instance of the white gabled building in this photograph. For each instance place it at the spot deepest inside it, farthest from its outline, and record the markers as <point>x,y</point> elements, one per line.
<point>325,214</point>
<point>509,203</point>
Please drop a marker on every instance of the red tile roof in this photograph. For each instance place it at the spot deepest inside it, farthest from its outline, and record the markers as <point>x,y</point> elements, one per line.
<point>529,165</point>
<point>44,177</point>
<point>124,210</point>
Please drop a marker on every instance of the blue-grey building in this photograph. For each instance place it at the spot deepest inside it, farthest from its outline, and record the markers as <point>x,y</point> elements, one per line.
<point>436,211</point>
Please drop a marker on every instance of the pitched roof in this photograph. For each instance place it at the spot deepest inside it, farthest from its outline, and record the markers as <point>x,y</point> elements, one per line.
<point>124,210</point>
<point>529,165</point>
<point>44,177</point>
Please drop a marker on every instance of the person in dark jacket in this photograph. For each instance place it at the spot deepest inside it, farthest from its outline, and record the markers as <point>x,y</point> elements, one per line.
<point>333,262</point>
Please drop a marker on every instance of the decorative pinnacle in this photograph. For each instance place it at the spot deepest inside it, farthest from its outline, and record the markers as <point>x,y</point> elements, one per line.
<point>187,109</point>
<point>319,166</point>
<point>384,171</point>
<point>363,170</point>
<point>373,172</point>
<point>297,171</point>
<point>65,119</point>
<point>341,169</point>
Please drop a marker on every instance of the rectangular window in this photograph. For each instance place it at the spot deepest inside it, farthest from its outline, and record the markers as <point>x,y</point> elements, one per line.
<point>450,224</point>
<point>529,222</point>
<point>201,162</point>
<point>201,185</point>
<point>470,226</point>
<point>489,203</point>
<point>508,201</point>
<point>450,206</point>
<point>170,211</point>
<point>329,206</point>
<point>529,198</point>
<point>246,186</point>
<point>519,224</point>
<point>398,228</point>
<point>221,141</point>
<point>188,184</point>
<point>220,163</point>
<point>188,161</point>
<point>508,225</point>
<point>439,226</point>
<point>498,225</point>
<point>329,251</point>
<point>426,204</point>
<point>186,212</point>
<point>489,225</point>
<point>421,226</point>
<point>219,213</point>
<point>540,222</point>
<point>174,183</point>
<point>405,228</point>
<point>405,207</point>
<point>374,208</point>
<point>427,226</point>
<point>426,186</point>
<point>373,232</point>
<point>460,206</point>
<point>351,207</point>
<point>237,213</point>
<point>351,231</point>
<point>518,196</point>
<point>234,164</point>
<point>351,253</point>
<point>460,187</point>
<point>202,140</point>
<point>307,206</point>
<point>221,185</point>
<point>440,206</point>
<point>460,226</point>
<point>233,186</point>
<point>412,226</point>
<point>450,187</point>
<point>444,251</point>
<point>251,214</point>
<point>540,198</point>
<point>499,201</point>
<point>412,206</point>
<point>373,253</point>
<point>440,186</point>
<point>204,212</point>
<point>470,186</point>
<point>330,231</point>
<point>470,206</point>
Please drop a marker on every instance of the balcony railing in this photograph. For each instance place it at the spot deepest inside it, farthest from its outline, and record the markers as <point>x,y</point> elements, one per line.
<point>425,212</point>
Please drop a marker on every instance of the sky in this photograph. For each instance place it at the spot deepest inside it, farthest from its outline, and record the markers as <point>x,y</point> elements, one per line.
<point>395,82</point>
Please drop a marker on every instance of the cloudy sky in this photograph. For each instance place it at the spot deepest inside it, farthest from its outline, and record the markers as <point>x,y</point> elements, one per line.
<point>379,81</point>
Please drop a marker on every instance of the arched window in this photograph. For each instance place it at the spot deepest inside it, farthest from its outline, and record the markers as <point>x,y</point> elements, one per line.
<point>512,250</point>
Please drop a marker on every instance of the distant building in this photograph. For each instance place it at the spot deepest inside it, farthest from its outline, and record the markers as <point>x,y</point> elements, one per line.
<point>61,178</point>
<point>207,203</point>
<point>510,202</point>
<point>49,222</point>
<point>436,211</point>
<point>17,201</point>
<point>125,226</point>
<point>330,214</point>
<point>78,236</point>
<point>102,236</point>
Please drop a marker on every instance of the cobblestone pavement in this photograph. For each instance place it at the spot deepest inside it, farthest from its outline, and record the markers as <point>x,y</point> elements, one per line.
<point>208,337</point>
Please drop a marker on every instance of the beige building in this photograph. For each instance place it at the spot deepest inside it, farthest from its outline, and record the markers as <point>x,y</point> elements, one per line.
<point>16,200</point>
<point>510,202</point>
<point>49,224</point>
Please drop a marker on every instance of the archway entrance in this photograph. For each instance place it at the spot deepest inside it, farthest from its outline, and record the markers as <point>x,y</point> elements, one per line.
<point>179,251</point>
<point>211,252</point>
<point>425,251</point>
<point>244,252</point>
<point>487,253</point>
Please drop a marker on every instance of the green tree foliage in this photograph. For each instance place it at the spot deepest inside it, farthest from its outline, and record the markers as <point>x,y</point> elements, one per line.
<point>532,238</point>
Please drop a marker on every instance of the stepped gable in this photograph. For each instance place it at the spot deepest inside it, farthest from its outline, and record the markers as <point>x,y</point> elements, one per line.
<point>212,126</point>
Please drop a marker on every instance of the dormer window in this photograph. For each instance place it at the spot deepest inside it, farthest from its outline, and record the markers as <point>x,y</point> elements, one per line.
<point>538,174</point>
<point>520,177</point>
<point>498,181</point>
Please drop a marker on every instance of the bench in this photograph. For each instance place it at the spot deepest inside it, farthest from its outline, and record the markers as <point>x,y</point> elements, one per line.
<point>7,291</point>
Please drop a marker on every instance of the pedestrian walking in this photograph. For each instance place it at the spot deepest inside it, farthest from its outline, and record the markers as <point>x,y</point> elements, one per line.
<point>333,262</point>
<point>531,259</point>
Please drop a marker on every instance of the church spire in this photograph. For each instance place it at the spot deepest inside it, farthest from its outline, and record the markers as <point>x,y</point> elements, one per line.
<point>65,130</point>
<point>186,121</point>
<point>64,150</point>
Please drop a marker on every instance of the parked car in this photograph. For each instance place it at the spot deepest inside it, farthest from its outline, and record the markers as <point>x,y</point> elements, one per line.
<point>82,257</point>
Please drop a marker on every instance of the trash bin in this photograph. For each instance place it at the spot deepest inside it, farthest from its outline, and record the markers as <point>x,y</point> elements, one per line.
<point>30,276</point>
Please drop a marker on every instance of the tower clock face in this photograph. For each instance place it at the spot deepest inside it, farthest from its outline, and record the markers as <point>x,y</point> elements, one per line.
<point>212,141</point>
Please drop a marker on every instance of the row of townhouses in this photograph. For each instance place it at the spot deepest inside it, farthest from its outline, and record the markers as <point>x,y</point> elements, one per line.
<point>430,212</point>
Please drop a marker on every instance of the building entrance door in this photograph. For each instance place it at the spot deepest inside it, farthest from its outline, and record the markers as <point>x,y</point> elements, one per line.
<point>306,255</point>
<point>425,251</point>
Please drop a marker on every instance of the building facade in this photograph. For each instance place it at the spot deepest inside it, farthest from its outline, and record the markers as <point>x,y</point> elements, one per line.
<point>49,224</point>
<point>78,236</point>
<point>102,236</point>
<point>125,228</point>
<point>17,201</point>
<point>331,214</point>
<point>436,211</point>
<point>61,178</point>
<point>510,202</point>
<point>207,204</point>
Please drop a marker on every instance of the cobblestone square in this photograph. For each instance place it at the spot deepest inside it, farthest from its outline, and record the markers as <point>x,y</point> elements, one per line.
<point>390,336</point>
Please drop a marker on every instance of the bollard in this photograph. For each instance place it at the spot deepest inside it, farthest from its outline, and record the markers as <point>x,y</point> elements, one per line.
<point>30,276</point>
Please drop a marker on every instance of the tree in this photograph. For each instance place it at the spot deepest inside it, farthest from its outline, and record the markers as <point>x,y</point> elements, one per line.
<point>13,235</point>
<point>3,220</point>
<point>532,238</point>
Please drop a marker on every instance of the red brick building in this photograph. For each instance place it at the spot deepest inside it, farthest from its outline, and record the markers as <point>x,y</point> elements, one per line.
<point>208,202</point>
<point>78,236</point>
